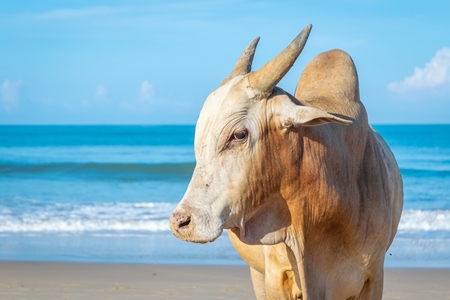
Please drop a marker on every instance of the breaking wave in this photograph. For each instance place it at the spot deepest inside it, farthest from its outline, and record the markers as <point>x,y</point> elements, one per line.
<point>424,220</point>
<point>100,217</point>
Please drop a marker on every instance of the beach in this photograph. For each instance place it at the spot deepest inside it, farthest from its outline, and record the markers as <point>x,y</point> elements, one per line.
<point>89,281</point>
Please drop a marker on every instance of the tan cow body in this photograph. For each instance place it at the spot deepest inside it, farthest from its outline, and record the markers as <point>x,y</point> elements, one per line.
<point>312,209</point>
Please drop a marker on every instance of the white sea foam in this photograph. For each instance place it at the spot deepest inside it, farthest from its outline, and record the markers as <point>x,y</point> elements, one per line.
<point>99,217</point>
<point>77,225</point>
<point>425,220</point>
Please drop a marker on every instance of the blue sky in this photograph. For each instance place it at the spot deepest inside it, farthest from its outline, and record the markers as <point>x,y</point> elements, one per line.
<point>155,62</point>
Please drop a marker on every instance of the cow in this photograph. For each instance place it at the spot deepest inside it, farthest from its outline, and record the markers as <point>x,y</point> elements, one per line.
<point>310,194</point>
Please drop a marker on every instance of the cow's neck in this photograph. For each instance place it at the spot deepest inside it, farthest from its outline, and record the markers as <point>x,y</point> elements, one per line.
<point>320,184</point>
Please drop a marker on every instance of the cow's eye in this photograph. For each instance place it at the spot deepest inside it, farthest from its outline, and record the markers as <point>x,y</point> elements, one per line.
<point>240,135</point>
<point>236,137</point>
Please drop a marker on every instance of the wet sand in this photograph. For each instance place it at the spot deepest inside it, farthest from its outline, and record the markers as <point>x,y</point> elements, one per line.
<point>39,281</point>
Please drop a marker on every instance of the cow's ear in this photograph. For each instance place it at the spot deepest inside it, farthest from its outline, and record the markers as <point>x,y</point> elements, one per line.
<point>298,115</point>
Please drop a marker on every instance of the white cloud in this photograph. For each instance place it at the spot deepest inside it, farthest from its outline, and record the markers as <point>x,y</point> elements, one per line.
<point>146,92</point>
<point>435,74</point>
<point>100,91</point>
<point>10,90</point>
<point>146,100</point>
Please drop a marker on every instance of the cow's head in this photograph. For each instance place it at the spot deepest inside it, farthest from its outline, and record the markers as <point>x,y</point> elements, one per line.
<point>238,143</point>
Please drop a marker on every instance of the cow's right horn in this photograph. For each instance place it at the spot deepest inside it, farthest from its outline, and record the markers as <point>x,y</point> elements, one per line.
<point>266,78</point>
<point>244,64</point>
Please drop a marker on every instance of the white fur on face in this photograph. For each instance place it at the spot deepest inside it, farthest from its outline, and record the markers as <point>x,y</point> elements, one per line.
<point>214,193</point>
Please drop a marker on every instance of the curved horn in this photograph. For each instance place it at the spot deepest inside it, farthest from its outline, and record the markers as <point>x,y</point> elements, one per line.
<point>266,78</point>
<point>244,64</point>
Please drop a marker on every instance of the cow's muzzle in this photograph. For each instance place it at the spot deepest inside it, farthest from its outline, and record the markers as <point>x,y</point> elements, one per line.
<point>184,226</point>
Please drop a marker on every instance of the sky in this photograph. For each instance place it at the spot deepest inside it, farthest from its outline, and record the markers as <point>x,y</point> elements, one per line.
<point>155,62</point>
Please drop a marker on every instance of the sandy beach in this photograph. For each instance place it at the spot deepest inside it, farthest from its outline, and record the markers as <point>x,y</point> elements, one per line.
<point>37,280</point>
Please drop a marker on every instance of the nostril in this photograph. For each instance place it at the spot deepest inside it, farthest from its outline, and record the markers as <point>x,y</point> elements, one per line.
<point>185,222</point>
<point>180,221</point>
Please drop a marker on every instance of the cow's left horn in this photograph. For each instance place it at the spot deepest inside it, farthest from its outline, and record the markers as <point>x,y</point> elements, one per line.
<point>244,64</point>
<point>266,78</point>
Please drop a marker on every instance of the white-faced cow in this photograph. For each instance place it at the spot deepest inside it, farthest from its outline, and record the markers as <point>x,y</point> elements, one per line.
<point>310,194</point>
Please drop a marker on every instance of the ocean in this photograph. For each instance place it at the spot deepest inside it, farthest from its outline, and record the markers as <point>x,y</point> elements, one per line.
<point>105,193</point>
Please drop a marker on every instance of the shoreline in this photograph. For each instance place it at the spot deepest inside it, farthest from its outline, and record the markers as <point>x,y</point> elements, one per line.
<point>86,281</point>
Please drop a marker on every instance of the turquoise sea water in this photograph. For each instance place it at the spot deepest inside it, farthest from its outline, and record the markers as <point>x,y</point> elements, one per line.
<point>104,194</point>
